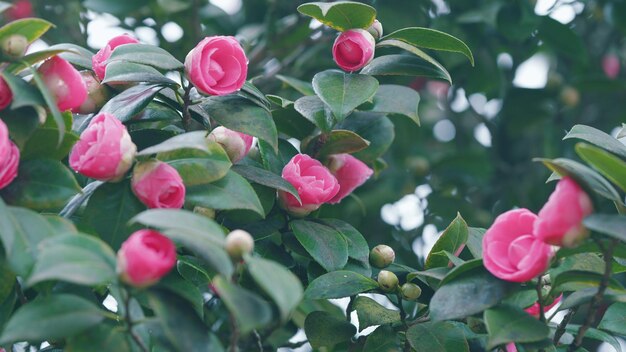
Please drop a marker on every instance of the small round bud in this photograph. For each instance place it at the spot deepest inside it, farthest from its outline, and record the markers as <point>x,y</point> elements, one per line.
<point>410,291</point>
<point>570,97</point>
<point>376,29</point>
<point>14,45</point>
<point>97,94</point>
<point>238,243</point>
<point>387,280</point>
<point>382,256</point>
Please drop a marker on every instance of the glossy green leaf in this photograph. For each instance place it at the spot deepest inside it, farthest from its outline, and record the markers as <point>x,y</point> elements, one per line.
<point>468,294</point>
<point>436,337</point>
<point>575,280</point>
<point>32,59</point>
<point>475,241</point>
<point>397,100</point>
<point>74,258</point>
<point>431,39</point>
<point>324,330</point>
<point>43,143</point>
<point>242,115</point>
<point>326,245</point>
<point>338,284</point>
<point>198,167</point>
<point>598,138</point>
<point>383,339</point>
<point>340,15</point>
<point>610,166</point>
<point>343,92</point>
<point>189,140</point>
<point>452,239</point>
<point>175,283</point>
<point>102,337</point>
<point>510,324</point>
<point>51,318</point>
<point>230,192</point>
<point>371,313</point>
<point>301,86</point>
<point>314,110</point>
<point>31,28</point>
<point>120,72</point>
<point>608,224</point>
<point>147,55</point>
<point>131,101</point>
<point>265,178</point>
<point>357,245</point>
<point>74,54</point>
<point>614,320</point>
<point>277,282</point>
<point>41,184</point>
<point>250,311</point>
<point>337,142</point>
<point>24,94</point>
<point>403,65</point>
<point>419,53</point>
<point>376,129</point>
<point>278,100</point>
<point>595,334</point>
<point>275,162</point>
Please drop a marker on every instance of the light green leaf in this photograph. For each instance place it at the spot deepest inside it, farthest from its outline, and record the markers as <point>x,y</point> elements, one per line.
<point>344,92</point>
<point>431,39</point>
<point>340,15</point>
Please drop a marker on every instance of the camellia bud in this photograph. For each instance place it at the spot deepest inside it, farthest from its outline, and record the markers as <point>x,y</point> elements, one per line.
<point>353,49</point>
<point>145,257</point>
<point>376,29</point>
<point>14,45</point>
<point>382,256</point>
<point>410,291</point>
<point>387,280</point>
<point>97,94</point>
<point>236,144</point>
<point>238,243</point>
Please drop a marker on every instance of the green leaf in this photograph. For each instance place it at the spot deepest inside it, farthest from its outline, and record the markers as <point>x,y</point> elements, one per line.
<point>612,167</point>
<point>373,127</point>
<point>265,178</point>
<point>371,313</point>
<point>51,318</point>
<point>230,192</point>
<point>185,289</point>
<point>275,162</point>
<point>315,111</point>
<point>337,142</point>
<point>437,337</point>
<point>468,294</point>
<point>475,241</point>
<point>598,138</point>
<point>43,142</point>
<point>280,101</point>
<point>460,269</point>
<point>343,92</point>
<point>397,100</point>
<point>41,184</point>
<point>131,101</point>
<point>280,284</point>
<point>383,339</point>
<point>614,319</point>
<point>326,245</point>
<point>608,224</point>
<point>31,28</point>
<point>198,167</point>
<point>250,311</point>
<point>340,15</point>
<point>120,72</point>
<point>74,258</point>
<point>181,326</point>
<point>325,330</point>
<point>145,54</point>
<point>338,284</point>
<point>242,115</point>
<point>301,86</point>
<point>452,240</point>
<point>403,65</point>
<point>109,209</point>
<point>357,245</point>
<point>74,54</point>
<point>419,53</point>
<point>510,324</point>
<point>102,337</point>
<point>562,39</point>
<point>24,94</point>
<point>575,280</point>
<point>189,140</point>
<point>32,59</point>
<point>595,334</point>
<point>51,102</point>
<point>431,39</point>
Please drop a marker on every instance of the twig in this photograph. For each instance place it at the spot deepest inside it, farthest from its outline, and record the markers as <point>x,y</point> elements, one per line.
<point>560,329</point>
<point>294,345</point>
<point>598,297</point>
<point>259,342</point>
<point>542,315</point>
<point>130,323</point>
<point>402,312</point>
<point>186,113</point>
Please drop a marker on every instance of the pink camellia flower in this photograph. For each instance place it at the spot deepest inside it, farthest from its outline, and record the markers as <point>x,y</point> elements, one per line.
<point>6,96</point>
<point>98,61</point>
<point>560,219</point>
<point>510,347</point>
<point>350,173</point>
<point>20,9</point>
<point>511,251</point>
<point>217,65</point>
<point>313,181</point>
<point>534,309</point>
<point>353,49</point>
<point>9,157</point>
<point>611,66</point>
<point>145,257</point>
<point>105,151</point>
<point>64,82</point>
<point>236,144</point>
<point>158,185</point>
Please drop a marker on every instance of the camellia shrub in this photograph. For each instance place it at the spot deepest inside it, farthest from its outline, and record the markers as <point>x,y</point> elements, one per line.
<point>154,204</point>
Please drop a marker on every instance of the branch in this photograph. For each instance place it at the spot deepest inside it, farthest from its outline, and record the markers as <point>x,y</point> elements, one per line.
<point>560,329</point>
<point>129,323</point>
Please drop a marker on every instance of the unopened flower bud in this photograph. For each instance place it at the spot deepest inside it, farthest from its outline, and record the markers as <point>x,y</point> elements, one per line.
<point>376,29</point>
<point>97,94</point>
<point>14,45</point>
<point>236,144</point>
<point>410,291</point>
<point>387,280</point>
<point>238,243</point>
<point>353,49</point>
<point>382,256</point>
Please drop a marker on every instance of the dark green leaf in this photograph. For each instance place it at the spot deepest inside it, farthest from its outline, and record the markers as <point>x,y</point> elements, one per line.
<point>338,284</point>
<point>343,92</point>
<point>325,244</point>
<point>340,15</point>
<point>371,313</point>
<point>43,143</point>
<point>383,339</point>
<point>250,311</point>
<point>378,130</point>
<point>324,330</point>
<point>357,245</point>
<point>265,178</point>
<point>403,65</point>
<point>595,334</point>
<point>419,53</point>
<point>189,140</point>
<point>608,224</point>
<point>301,86</point>
<point>102,337</point>
<point>74,54</point>
<point>147,55</point>
<point>475,241</point>
<point>452,240</point>
<point>614,319</point>
<point>198,167</point>
<point>510,324</point>
<point>315,111</point>
<point>431,39</point>
<point>24,94</point>
<point>131,101</point>
<point>562,39</point>
<point>399,100</point>
<point>337,142</point>
<point>612,167</point>
<point>437,337</point>
<point>598,138</point>
<point>120,72</point>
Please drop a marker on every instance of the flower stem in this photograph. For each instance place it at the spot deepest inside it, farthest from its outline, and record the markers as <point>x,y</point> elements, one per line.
<point>130,323</point>
<point>542,315</point>
<point>186,112</point>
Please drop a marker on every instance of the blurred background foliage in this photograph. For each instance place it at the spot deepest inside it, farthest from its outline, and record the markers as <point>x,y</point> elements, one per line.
<point>538,72</point>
